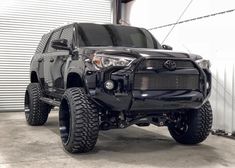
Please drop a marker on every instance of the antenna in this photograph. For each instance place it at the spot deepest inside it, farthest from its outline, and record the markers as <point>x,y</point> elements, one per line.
<point>177,21</point>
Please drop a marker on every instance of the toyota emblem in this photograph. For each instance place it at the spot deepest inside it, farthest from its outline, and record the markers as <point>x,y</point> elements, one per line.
<point>170,65</point>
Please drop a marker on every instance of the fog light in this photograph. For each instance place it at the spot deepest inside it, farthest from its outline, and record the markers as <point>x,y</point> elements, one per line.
<point>109,85</point>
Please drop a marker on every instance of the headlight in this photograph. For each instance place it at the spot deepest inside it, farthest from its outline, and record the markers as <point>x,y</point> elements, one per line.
<point>204,64</point>
<point>104,61</point>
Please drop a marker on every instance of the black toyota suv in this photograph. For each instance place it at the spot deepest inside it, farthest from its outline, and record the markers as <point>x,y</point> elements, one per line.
<point>112,76</point>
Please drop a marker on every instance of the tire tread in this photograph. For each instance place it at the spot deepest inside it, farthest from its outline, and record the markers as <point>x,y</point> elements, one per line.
<point>86,124</point>
<point>199,127</point>
<point>38,110</point>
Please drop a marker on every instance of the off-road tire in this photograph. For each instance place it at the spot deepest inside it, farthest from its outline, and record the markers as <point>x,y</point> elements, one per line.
<point>79,121</point>
<point>199,126</point>
<point>36,112</point>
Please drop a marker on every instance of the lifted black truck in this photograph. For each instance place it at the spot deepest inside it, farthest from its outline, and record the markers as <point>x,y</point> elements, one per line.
<point>111,76</point>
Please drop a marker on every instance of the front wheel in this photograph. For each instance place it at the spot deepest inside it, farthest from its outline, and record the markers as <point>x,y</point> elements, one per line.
<point>78,121</point>
<point>192,127</point>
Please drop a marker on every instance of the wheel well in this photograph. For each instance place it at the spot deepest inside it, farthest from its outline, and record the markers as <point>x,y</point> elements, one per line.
<point>74,80</point>
<point>33,77</point>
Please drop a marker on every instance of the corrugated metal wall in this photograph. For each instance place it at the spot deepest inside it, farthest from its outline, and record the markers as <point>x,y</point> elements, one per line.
<point>223,97</point>
<point>22,23</point>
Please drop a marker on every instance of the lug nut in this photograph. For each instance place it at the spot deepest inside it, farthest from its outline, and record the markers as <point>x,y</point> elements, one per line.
<point>109,85</point>
<point>161,123</point>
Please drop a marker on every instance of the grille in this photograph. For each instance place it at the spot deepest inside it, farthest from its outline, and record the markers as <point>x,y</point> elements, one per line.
<point>166,82</point>
<point>158,64</point>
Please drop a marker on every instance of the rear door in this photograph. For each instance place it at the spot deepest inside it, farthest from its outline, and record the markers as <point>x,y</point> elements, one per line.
<point>37,63</point>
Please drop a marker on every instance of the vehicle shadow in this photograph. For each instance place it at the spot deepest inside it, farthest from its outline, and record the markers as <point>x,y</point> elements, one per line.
<point>137,146</point>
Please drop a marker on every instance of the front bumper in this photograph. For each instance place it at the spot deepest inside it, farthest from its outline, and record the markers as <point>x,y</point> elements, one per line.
<point>125,97</point>
<point>166,100</point>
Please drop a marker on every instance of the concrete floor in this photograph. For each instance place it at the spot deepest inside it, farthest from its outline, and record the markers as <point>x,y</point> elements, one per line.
<point>25,146</point>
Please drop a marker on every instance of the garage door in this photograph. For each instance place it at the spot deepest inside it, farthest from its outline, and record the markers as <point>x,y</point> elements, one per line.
<point>22,23</point>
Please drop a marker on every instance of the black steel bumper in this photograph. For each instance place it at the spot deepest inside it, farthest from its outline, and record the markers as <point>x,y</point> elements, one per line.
<point>125,98</point>
<point>166,100</point>
<point>151,100</point>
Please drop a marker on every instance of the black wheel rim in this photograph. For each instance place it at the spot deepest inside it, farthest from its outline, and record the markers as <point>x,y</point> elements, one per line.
<point>64,122</point>
<point>182,129</point>
<point>182,124</point>
<point>27,104</point>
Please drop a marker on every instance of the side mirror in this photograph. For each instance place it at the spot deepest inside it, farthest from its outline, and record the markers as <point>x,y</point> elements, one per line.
<point>61,44</point>
<point>166,47</point>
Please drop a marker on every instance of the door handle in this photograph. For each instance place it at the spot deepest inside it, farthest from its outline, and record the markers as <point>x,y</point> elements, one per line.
<point>51,59</point>
<point>64,57</point>
<point>40,59</point>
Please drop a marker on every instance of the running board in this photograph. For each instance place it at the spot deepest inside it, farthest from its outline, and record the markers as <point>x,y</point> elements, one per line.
<point>50,101</point>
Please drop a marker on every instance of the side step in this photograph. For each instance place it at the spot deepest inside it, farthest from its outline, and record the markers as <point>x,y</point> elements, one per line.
<point>50,101</point>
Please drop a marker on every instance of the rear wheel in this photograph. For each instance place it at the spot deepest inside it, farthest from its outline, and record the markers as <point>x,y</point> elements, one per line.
<point>36,112</point>
<point>78,121</point>
<point>192,127</point>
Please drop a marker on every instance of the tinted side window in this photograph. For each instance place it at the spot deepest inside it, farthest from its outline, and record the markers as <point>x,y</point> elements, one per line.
<point>67,34</point>
<point>54,36</point>
<point>42,43</point>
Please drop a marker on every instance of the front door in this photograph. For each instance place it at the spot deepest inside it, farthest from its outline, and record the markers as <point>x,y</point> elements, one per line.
<point>58,61</point>
<point>48,56</point>
<point>57,64</point>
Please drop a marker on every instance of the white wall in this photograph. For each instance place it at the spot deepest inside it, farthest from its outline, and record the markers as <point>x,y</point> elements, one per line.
<point>213,38</point>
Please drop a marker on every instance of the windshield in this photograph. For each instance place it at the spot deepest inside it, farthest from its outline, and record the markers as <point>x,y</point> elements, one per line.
<point>115,35</point>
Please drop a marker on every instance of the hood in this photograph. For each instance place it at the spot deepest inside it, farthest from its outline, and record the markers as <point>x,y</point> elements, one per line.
<point>138,52</point>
